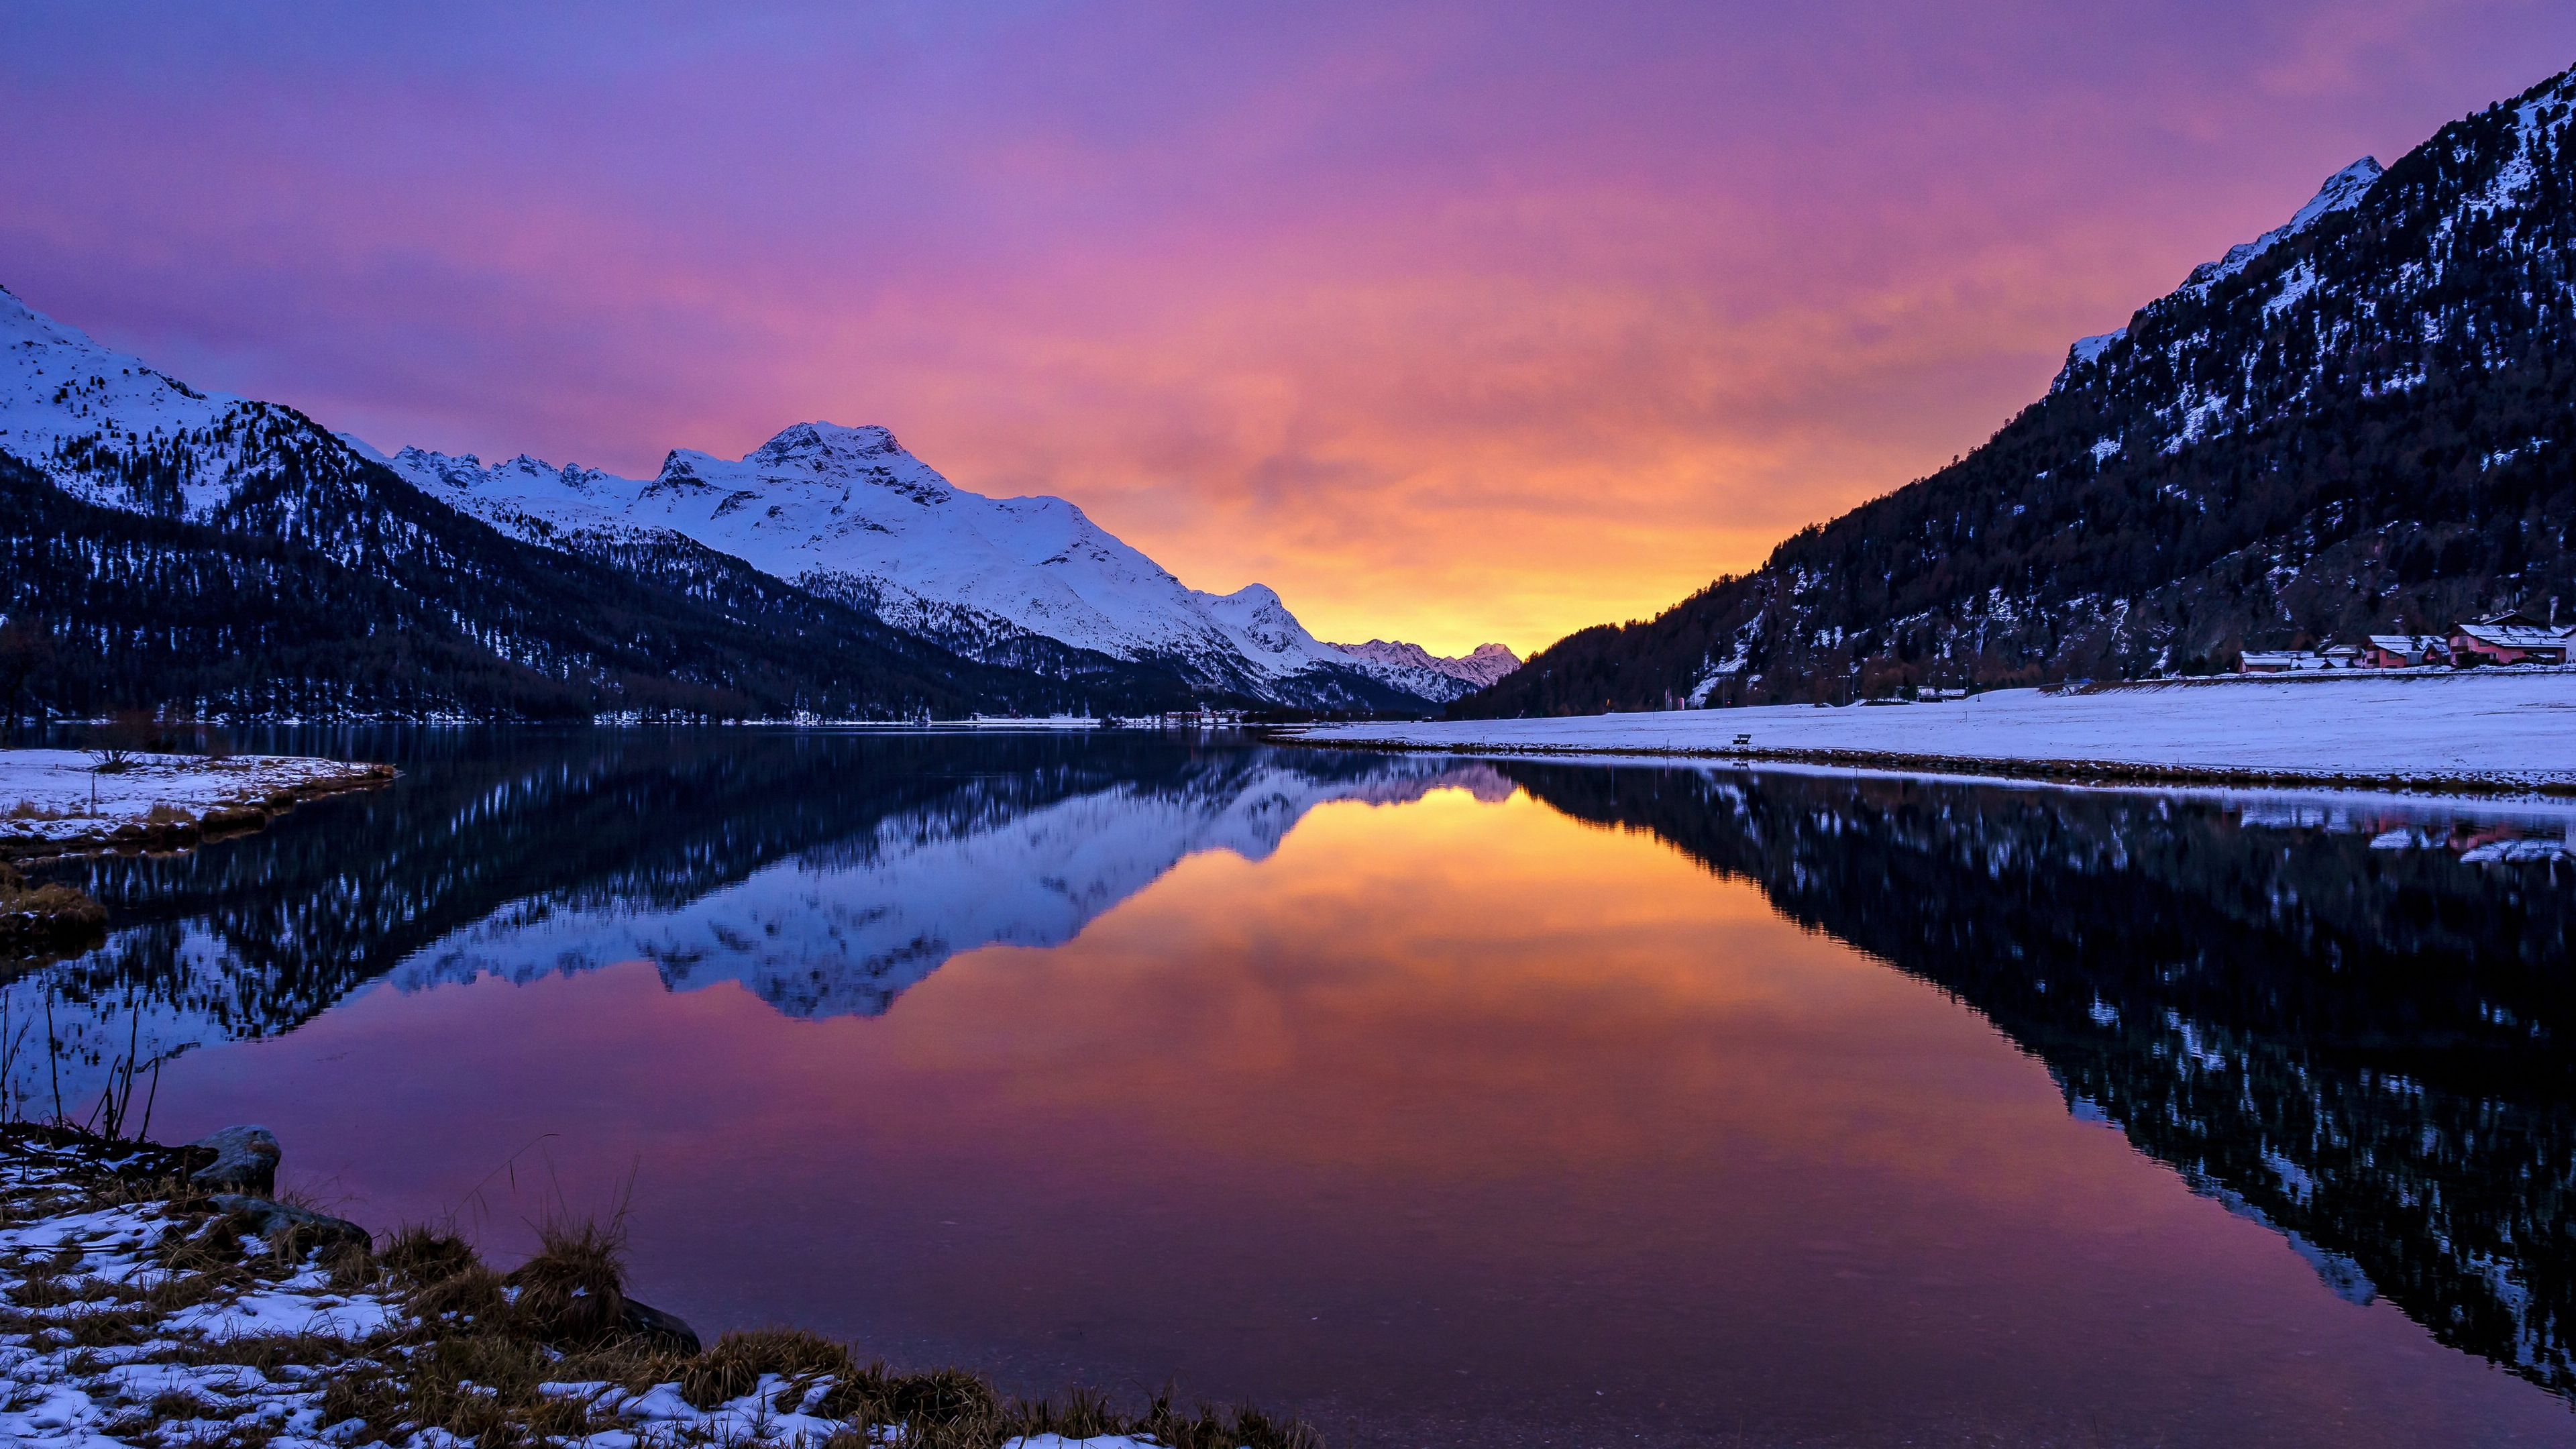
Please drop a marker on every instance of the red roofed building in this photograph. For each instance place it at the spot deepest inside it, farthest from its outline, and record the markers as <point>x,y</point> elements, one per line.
<point>2405,651</point>
<point>2511,638</point>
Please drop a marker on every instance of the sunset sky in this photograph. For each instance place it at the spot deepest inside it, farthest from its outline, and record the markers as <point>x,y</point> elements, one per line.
<point>1451,322</point>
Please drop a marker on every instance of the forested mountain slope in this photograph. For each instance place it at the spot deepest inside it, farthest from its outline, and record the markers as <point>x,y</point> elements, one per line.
<point>416,614</point>
<point>2362,420</point>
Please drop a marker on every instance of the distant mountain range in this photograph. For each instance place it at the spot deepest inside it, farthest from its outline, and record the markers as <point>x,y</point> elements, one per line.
<point>2362,421</point>
<point>231,557</point>
<point>847,514</point>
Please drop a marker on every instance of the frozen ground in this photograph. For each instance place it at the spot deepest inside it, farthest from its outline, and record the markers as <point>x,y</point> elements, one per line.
<point>2506,729</point>
<point>212,1372</point>
<point>57,795</point>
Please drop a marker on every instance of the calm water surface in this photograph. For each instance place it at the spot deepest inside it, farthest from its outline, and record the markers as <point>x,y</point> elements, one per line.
<point>1440,1102</point>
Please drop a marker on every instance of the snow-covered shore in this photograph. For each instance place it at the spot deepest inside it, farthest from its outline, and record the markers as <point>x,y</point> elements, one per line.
<point>2511,730</point>
<point>58,801</point>
<point>143,1308</point>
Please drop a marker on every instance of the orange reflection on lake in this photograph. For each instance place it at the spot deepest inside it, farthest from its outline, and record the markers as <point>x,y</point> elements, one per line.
<point>1456,1120</point>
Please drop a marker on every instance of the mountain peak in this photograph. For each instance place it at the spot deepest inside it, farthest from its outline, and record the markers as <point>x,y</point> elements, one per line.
<point>804,455</point>
<point>817,444</point>
<point>2341,192</point>
<point>1487,663</point>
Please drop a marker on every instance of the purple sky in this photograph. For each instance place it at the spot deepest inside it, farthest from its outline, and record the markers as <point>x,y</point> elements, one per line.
<point>1451,322</point>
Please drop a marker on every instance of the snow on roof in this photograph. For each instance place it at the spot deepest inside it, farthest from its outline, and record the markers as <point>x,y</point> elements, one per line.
<point>2517,636</point>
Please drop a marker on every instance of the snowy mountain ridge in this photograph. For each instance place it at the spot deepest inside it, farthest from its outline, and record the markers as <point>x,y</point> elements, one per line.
<point>1485,664</point>
<point>75,410</point>
<point>849,513</point>
<point>2341,192</point>
<point>845,515</point>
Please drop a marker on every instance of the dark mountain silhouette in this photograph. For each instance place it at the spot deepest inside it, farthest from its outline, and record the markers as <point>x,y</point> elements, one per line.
<point>2366,420</point>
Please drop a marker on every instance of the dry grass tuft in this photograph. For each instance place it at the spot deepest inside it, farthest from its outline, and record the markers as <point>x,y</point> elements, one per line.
<point>43,1290</point>
<point>169,1188</point>
<point>108,1327</point>
<point>212,1248</point>
<point>422,1256</point>
<point>171,1292</point>
<point>735,1365</point>
<point>268,1352</point>
<point>573,1292</point>
<point>30,810</point>
<point>32,914</point>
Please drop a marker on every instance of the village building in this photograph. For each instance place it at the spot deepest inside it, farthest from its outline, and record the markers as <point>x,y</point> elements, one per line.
<point>2510,638</point>
<point>2292,661</point>
<point>2405,651</point>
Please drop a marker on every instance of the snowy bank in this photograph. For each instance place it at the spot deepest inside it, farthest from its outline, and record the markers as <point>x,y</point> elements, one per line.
<point>60,801</point>
<point>2506,730</point>
<point>141,1310</point>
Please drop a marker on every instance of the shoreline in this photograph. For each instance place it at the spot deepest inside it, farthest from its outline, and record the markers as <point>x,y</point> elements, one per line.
<point>2481,733</point>
<point>2078,773</point>
<point>169,1296</point>
<point>56,804</point>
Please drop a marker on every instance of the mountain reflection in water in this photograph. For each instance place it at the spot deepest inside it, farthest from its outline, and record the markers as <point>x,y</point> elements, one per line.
<point>824,872</point>
<point>2346,1021</point>
<point>2367,1048</point>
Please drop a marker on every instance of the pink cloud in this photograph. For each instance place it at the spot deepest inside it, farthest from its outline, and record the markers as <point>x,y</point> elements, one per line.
<point>1452,322</point>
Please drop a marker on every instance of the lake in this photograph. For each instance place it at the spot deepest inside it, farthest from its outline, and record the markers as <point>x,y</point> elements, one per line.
<point>1441,1102</point>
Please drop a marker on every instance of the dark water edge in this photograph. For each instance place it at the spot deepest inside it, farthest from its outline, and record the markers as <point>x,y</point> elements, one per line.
<point>2355,1040</point>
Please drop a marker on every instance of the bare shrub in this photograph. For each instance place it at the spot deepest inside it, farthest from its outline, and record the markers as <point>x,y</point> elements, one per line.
<point>127,733</point>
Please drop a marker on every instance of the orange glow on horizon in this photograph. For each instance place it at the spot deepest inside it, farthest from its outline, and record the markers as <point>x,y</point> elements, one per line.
<point>1450,324</point>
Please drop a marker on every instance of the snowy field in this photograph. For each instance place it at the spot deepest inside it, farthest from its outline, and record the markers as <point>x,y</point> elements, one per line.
<point>57,795</point>
<point>2504,729</point>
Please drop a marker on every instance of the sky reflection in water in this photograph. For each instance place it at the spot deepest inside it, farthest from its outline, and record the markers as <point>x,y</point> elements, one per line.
<point>1449,1103</point>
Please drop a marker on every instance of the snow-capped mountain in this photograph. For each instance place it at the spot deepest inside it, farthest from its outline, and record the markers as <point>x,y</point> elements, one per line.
<point>110,429</point>
<point>848,513</point>
<point>828,572</point>
<point>1485,664</point>
<point>2341,192</point>
<point>225,556</point>
<point>2359,421</point>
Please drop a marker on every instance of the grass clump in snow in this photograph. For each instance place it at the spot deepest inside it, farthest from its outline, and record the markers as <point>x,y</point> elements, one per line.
<point>31,810</point>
